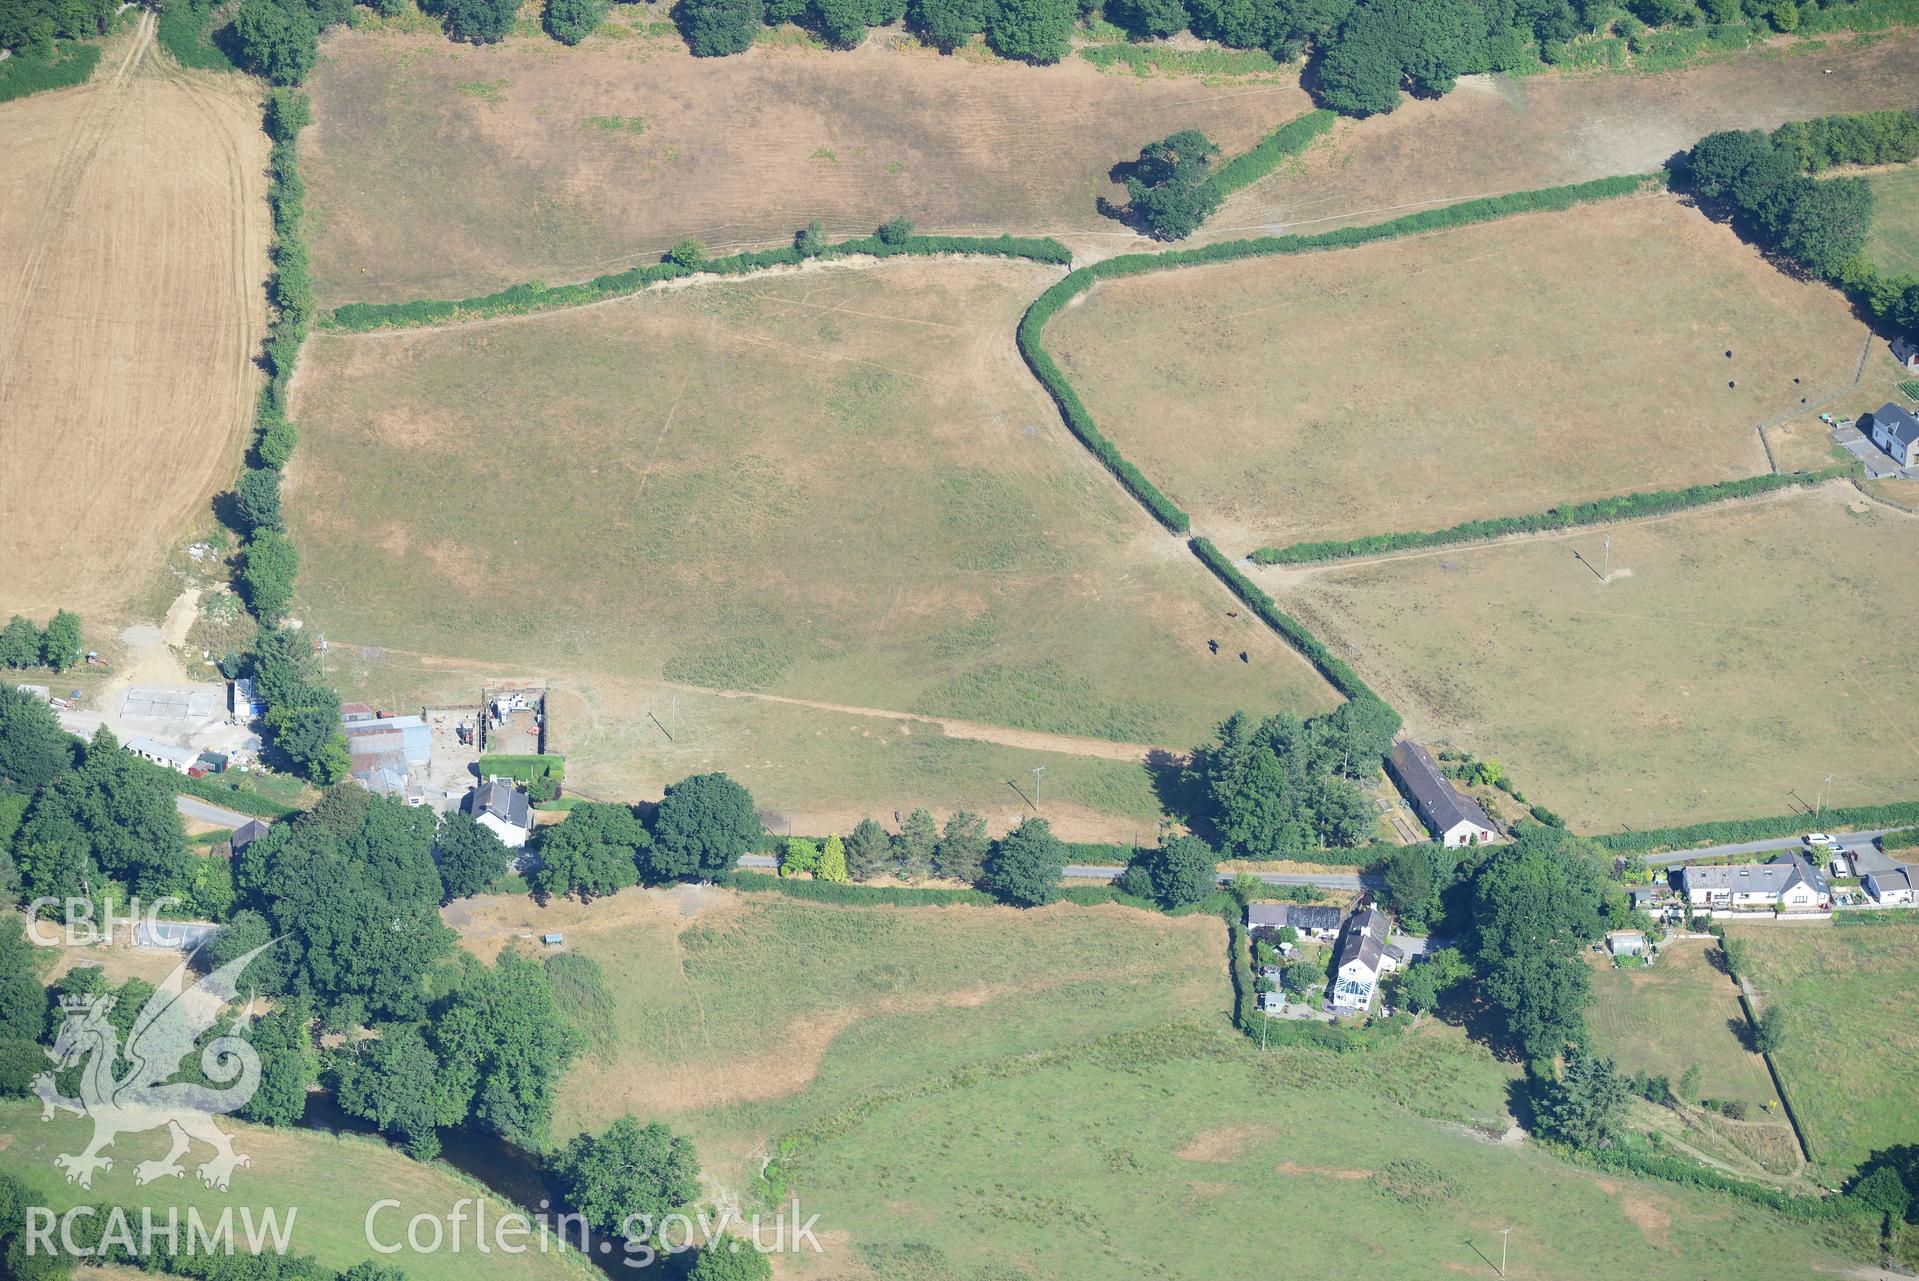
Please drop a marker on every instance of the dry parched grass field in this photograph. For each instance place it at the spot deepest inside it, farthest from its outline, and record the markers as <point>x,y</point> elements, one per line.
<point>1850,1058</point>
<point>833,485</point>
<point>133,231</point>
<point>1499,134</point>
<point>1737,656</point>
<point>1488,371</point>
<point>444,171</point>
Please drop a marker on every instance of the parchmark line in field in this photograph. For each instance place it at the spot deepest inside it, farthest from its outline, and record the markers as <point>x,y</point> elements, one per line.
<point>652,457</point>
<point>850,311</point>
<point>1004,735</point>
<point>1286,225</point>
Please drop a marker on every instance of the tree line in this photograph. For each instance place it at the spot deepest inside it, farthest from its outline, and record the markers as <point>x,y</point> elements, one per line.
<point>1766,185</point>
<point>1361,55</point>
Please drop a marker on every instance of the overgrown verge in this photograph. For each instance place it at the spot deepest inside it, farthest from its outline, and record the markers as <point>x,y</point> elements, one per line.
<point>1730,831</point>
<point>57,67</point>
<point>536,296</point>
<point>1636,1159</point>
<point>1657,502</point>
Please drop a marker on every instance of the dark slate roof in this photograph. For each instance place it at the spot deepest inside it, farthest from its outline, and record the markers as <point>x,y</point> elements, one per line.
<point>502,798</point>
<point>247,833</point>
<point>1365,940</point>
<point>1898,424</point>
<point>1301,917</point>
<point>1774,877</point>
<point>1441,805</point>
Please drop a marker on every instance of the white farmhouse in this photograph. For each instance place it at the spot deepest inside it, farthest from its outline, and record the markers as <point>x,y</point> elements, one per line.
<point>502,808</point>
<point>1365,955</point>
<point>1454,818</point>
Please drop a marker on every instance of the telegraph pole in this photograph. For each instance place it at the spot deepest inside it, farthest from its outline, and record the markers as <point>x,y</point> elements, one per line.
<point>1820,812</point>
<point>1037,771</point>
<point>1605,574</point>
<point>1503,1234</point>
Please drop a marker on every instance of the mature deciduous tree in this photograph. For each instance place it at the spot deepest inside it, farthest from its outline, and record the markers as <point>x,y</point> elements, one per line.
<point>703,826</point>
<point>471,856</point>
<point>1026,866</point>
<point>630,1170</point>
<point>595,852</point>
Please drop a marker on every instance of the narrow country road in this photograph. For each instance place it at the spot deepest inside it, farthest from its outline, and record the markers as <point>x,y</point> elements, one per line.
<point>1095,872</point>
<point>1759,847</point>
<point>206,812</point>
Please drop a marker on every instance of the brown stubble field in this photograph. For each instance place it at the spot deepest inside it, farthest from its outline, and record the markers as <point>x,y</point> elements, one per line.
<point>1499,134</point>
<point>133,234</point>
<point>1484,371</point>
<point>440,170</point>
<point>1737,656</point>
<point>834,486</point>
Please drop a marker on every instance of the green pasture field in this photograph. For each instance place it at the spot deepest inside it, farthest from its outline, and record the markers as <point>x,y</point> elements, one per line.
<point>1850,1057</point>
<point>977,1092</point>
<point>1487,371</point>
<point>1735,658</point>
<point>1895,221</point>
<point>837,486</point>
<point>1182,1155</point>
<point>333,1182</point>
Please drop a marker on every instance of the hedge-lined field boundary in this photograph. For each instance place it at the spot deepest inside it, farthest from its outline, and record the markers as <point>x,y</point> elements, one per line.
<point>534,295</point>
<point>1338,673</point>
<point>1291,138</point>
<point>1600,511</point>
<point>1079,420</point>
<point>1733,831</point>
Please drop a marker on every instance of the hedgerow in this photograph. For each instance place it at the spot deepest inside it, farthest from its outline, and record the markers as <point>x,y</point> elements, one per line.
<point>523,768</point>
<point>1674,1170</point>
<point>1289,139</point>
<point>535,295</point>
<point>1048,305</point>
<point>27,72</point>
<point>1599,511</point>
<point>1335,669</point>
<point>1731,831</point>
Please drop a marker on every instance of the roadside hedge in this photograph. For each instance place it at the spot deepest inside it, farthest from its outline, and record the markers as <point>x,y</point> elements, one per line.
<point>1291,138</point>
<point>1597,512</point>
<point>1732,831</point>
<point>534,295</point>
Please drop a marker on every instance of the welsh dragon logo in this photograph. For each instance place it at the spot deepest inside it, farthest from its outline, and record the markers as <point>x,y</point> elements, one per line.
<point>146,1097</point>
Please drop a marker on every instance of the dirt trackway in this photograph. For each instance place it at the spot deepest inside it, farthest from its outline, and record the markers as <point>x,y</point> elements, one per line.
<point>1004,735</point>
